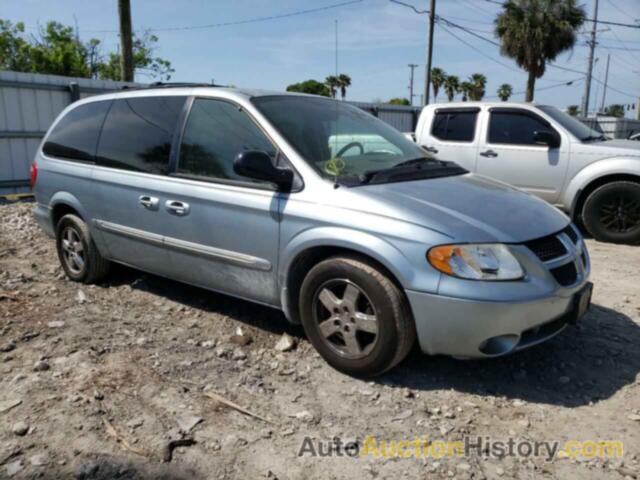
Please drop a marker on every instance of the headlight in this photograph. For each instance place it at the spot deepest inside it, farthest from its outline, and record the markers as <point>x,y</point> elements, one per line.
<point>476,262</point>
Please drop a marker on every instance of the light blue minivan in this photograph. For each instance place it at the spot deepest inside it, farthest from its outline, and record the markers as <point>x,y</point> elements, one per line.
<point>314,207</point>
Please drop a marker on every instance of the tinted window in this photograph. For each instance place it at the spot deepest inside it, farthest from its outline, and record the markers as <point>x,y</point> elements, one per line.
<point>514,128</point>
<point>138,132</point>
<point>216,132</point>
<point>454,126</point>
<point>76,134</point>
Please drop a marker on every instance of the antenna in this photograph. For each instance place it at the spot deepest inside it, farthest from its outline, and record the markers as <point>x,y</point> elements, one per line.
<point>336,47</point>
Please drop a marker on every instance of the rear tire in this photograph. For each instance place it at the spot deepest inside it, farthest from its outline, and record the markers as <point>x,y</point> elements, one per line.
<point>611,213</point>
<point>77,252</point>
<point>357,319</point>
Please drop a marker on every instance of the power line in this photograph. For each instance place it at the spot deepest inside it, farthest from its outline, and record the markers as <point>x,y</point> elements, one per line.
<point>412,7</point>
<point>618,9</point>
<point>246,21</point>
<point>548,87</point>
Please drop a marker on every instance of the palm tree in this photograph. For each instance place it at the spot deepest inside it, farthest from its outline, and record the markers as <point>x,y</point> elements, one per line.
<point>451,84</point>
<point>332,82</point>
<point>344,81</point>
<point>534,32</point>
<point>505,91</point>
<point>437,79</point>
<point>465,89</point>
<point>478,83</point>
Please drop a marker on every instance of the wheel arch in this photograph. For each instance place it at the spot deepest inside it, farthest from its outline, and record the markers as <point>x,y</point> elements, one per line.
<point>304,255</point>
<point>63,203</point>
<point>583,193</point>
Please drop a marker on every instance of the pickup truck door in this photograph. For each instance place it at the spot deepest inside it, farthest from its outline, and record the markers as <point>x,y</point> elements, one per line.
<point>508,151</point>
<point>450,133</point>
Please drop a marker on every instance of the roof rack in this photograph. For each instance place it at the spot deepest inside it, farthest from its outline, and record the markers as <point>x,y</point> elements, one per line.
<point>171,85</point>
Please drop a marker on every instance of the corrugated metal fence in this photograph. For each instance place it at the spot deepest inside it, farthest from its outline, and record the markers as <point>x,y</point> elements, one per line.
<point>28,105</point>
<point>30,102</point>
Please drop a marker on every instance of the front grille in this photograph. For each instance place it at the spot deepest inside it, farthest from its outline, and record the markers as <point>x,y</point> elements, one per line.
<point>571,233</point>
<point>566,274</point>
<point>547,248</point>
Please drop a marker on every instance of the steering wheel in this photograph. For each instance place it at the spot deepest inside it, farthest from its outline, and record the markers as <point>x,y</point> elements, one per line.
<point>349,146</point>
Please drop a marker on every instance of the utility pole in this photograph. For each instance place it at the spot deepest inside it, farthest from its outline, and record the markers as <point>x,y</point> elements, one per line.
<point>427,82</point>
<point>126,41</point>
<point>592,47</point>
<point>412,66</point>
<point>606,79</point>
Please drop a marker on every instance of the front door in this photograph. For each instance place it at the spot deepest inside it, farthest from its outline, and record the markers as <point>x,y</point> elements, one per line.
<point>508,152</point>
<point>221,228</point>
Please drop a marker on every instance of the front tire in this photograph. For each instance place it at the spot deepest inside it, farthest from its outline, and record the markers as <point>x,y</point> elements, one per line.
<point>78,255</point>
<point>612,213</point>
<point>357,319</point>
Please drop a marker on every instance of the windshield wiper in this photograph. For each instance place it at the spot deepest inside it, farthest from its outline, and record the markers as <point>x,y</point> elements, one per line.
<point>591,138</point>
<point>425,166</point>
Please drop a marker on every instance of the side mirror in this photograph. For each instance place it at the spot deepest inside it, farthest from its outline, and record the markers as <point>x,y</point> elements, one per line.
<point>258,165</point>
<point>545,137</point>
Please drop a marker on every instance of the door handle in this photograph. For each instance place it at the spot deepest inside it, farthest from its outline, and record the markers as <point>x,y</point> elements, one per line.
<point>148,202</point>
<point>433,150</point>
<point>489,153</point>
<point>177,208</point>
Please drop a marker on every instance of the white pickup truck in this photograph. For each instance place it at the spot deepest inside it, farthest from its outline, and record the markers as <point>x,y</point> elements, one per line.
<point>546,152</point>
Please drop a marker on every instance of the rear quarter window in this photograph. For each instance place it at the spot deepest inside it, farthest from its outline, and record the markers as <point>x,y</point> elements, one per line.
<point>75,136</point>
<point>138,133</point>
<point>454,125</point>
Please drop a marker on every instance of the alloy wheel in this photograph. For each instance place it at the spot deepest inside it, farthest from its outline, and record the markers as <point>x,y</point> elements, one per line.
<point>346,318</point>
<point>73,250</point>
<point>620,214</point>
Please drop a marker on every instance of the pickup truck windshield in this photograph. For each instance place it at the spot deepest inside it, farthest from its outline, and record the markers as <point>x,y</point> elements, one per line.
<point>342,142</point>
<point>572,124</point>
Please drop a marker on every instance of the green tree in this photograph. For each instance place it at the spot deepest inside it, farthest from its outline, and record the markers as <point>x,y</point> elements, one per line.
<point>615,110</point>
<point>573,110</point>
<point>534,32</point>
<point>451,85</point>
<point>465,89</point>
<point>57,49</point>
<point>505,91</point>
<point>478,83</point>
<point>332,84</point>
<point>437,79</point>
<point>313,87</point>
<point>144,62</point>
<point>14,50</point>
<point>344,82</point>
<point>399,101</point>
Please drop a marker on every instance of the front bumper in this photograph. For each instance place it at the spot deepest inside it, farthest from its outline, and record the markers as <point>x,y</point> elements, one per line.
<point>478,329</point>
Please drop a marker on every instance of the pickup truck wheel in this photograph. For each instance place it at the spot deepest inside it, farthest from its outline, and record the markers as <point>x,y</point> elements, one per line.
<point>78,254</point>
<point>612,212</point>
<point>356,317</point>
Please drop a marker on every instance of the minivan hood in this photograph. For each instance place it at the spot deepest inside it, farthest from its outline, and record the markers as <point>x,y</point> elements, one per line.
<point>468,208</point>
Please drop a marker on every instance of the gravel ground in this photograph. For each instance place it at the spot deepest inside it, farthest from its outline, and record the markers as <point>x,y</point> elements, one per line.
<point>100,382</point>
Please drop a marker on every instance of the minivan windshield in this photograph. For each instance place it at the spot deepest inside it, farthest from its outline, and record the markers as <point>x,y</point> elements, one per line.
<point>342,142</point>
<point>572,124</point>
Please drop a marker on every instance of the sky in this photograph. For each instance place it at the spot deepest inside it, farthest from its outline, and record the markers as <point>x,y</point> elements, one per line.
<point>377,40</point>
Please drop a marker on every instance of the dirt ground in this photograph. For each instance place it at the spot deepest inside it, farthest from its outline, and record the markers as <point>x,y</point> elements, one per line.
<point>97,381</point>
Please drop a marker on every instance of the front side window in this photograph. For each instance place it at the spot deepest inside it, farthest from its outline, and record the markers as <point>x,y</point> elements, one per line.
<point>138,133</point>
<point>515,128</point>
<point>337,139</point>
<point>215,133</point>
<point>454,125</point>
<point>75,136</point>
